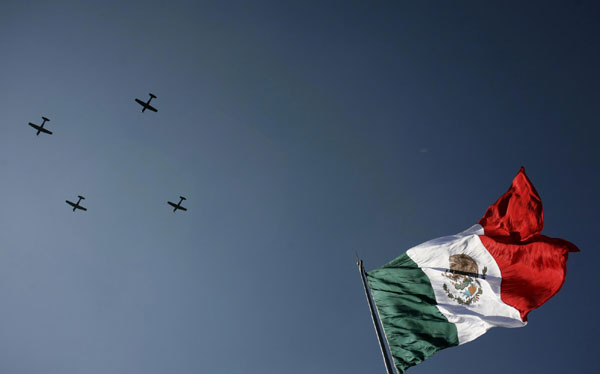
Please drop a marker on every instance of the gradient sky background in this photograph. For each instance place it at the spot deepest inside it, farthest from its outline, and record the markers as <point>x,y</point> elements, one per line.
<point>300,132</point>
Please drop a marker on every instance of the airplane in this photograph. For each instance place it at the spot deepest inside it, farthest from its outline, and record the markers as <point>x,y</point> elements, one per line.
<point>41,128</point>
<point>147,105</point>
<point>178,205</point>
<point>76,205</point>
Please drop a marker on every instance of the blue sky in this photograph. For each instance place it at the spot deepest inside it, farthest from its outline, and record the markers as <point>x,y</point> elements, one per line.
<point>300,132</point>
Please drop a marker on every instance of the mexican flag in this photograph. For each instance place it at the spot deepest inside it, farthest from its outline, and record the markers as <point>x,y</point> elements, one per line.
<point>451,290</point>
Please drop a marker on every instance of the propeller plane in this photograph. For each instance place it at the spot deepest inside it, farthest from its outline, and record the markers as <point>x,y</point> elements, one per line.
<point>76,205</point>
<point>146,105</point>
<point>178,205</point>
<point>41,128</point>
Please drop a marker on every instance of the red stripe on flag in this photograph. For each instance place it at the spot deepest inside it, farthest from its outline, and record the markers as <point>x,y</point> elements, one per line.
<point>532,272</point>
<point>533,266</point>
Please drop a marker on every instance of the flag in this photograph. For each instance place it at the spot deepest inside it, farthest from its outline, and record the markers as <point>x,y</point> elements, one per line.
<point>451,290</point>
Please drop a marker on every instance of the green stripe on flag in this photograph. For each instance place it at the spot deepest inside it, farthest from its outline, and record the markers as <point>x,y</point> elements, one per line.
<point>414,327</point>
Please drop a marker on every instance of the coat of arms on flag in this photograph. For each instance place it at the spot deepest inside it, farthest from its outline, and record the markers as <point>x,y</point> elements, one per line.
<point>463,285</point>
<point>451,290</point>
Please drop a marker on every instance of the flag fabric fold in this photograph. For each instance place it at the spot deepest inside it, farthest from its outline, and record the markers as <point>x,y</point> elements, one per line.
<point>517,214</point>
<point>451,290</point>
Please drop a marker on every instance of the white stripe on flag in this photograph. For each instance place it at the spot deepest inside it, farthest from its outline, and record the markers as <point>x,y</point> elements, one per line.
<point>472,303</point>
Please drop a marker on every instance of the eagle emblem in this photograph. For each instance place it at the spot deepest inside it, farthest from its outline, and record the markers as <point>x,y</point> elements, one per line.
<point>464,286</point>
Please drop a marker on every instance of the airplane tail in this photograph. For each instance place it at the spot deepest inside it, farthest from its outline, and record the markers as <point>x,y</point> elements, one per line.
<point>81,197</point>
<point>152,95</point>
<point>182,198</point>
<point>45,119</point>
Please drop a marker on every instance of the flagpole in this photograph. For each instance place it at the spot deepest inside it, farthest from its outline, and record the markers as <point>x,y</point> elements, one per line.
<point>388,365</point>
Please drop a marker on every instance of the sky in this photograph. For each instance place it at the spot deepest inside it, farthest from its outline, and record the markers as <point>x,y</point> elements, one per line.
<point>300,132</point>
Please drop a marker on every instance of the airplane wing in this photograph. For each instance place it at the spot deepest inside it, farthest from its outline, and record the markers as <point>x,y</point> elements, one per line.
<point>36,126</point>
<point>70,203</point>
<point>150,107</point>
<point>82,208</point>
<point>172,204</point>
<point>182,208</point>
<point>141,102</point>
<point>44,130</point>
